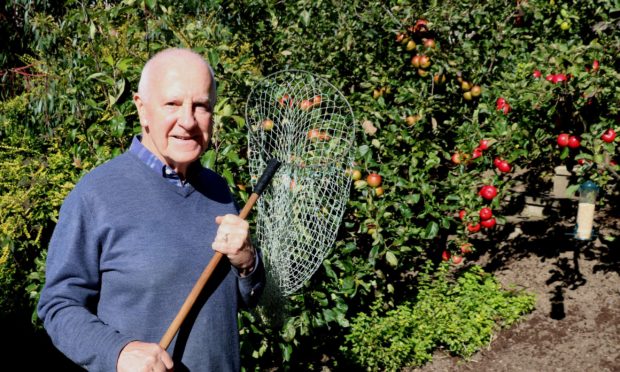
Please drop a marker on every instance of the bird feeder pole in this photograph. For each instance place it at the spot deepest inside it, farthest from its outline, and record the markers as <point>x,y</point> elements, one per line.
<point>588,192</point>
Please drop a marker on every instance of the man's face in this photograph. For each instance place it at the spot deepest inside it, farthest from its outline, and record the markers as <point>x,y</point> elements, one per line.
<point>176,113</point>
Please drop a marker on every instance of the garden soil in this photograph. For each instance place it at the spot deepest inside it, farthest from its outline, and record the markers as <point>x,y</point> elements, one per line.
<point>576,323</point>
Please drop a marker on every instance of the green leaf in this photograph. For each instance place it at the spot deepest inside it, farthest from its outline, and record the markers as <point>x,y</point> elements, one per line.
<point>151,4</point>
<point>92,31</point>
<point>286,350</point>
<point>124,63</point>
<point>95,75</point>
<point>363,150</point>
<point>208,159</point>
<point>229,177</point>
<point>432,228</point>
<point>391,259</point>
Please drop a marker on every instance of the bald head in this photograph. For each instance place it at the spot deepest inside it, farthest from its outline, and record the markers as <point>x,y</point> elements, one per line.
<point>172,56</point>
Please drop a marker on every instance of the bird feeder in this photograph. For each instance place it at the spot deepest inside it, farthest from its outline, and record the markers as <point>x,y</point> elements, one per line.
<point>588,192</point>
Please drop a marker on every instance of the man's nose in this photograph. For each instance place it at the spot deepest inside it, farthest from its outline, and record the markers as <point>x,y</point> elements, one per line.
<point>187,119</point>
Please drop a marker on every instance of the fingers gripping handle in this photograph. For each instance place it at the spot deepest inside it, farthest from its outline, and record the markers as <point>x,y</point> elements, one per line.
<point>262,183</point>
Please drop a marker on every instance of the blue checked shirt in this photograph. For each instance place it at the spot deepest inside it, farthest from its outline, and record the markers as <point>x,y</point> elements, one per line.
<point>155,164</point>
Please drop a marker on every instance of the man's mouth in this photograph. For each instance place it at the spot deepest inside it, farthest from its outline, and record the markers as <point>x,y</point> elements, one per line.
<point>184,138</point>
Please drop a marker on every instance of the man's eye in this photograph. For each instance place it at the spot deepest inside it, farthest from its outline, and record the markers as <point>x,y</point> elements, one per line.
<point>202,107</point>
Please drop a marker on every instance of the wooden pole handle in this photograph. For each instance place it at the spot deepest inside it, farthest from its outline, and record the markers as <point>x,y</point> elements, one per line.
<point>262,183</point>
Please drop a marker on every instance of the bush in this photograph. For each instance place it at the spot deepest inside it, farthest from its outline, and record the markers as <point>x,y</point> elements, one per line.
<point>31,192</point>
<point>78,112</point>
<point>458,314</point>
<point>413,123</point>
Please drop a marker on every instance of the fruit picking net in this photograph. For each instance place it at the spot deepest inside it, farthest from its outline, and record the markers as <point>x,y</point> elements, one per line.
<point>307,124</point>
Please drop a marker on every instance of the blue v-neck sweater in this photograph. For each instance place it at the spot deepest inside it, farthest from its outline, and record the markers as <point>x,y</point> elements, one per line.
<point>127,250</point>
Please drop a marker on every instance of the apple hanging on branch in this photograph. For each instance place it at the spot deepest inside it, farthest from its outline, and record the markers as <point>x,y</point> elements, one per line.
<point>306,105</point>
<point>462,214</point>
<point>315,135</point>
<point>503,105</point>
<point>473,228</point>
<point>267,124</point>
<point>574,142</point>
<point>562,140</point>
<point>502,165</point>
<point>374,180</point>
<point>488,224</point>
<point>445,255</point>
<point>488,192</point>
<point>485,213</point>
<point>466,248</point>
<point>609,136</point>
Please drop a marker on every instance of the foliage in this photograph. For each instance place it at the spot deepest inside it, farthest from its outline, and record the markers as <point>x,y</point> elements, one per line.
<point>79,113</point>
<point>458,314</point>
<point>412,120</point>
<point>31,192</point>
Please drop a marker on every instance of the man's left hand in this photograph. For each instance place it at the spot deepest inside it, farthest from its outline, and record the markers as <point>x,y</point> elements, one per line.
<point>233,240</point>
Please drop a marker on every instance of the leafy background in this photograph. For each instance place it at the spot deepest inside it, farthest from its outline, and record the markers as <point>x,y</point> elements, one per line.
<point>69,69</point>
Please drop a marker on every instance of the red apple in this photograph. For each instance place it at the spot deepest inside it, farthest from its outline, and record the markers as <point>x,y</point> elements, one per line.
<point>374,180</point>
<point>466,248</point>
<point>574,142</point>
<point>445,255</point>
<point>462,214</point>
<point>316,100</point>
<point>488,192</point>
<point>563,140</point>
<point>503,166</point>
<point>609,135</point>
<point>415,61</point>
<point>488,223</point>
<point>559,78</point>
<point>425,61</point>
<point>429,43</point>
<point>305,105</point>
<point>267,124</point>
<point>502,105</point>
<point>485,213</point>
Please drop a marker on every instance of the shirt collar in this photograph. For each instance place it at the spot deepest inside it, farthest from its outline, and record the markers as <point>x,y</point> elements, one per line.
<point>153,162</point>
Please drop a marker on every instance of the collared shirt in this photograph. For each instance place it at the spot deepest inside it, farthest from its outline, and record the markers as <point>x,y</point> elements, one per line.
<point>155,164</point>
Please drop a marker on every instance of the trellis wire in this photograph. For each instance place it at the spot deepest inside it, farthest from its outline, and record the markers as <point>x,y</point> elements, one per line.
<point>307,124</point>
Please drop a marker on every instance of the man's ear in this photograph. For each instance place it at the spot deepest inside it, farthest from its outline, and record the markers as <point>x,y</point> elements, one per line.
<point>137,100</point>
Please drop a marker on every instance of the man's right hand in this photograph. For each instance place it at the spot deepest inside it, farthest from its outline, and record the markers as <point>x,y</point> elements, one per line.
<point>139,356</point>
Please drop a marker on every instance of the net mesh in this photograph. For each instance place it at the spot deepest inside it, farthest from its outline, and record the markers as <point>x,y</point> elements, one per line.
<point>307,124</point>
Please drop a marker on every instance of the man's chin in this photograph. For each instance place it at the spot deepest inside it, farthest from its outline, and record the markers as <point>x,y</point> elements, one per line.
<point>187,158</point>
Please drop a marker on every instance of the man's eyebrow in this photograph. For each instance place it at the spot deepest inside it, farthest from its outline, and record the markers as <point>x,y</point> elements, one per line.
<point>202,100</point>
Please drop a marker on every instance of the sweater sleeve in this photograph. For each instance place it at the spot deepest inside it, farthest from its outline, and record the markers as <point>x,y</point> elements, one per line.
<point>251,286</point>
<point>68,301</point>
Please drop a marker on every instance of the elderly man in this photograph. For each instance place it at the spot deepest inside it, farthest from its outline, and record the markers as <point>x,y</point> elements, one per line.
<point>134,234</point>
